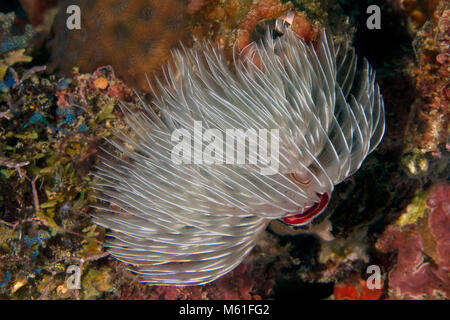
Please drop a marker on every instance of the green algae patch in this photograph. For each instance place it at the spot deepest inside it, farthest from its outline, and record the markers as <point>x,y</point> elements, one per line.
<point>97,282</point>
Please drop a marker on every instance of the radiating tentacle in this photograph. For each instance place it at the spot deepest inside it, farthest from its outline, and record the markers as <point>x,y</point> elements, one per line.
<point>191,223</point>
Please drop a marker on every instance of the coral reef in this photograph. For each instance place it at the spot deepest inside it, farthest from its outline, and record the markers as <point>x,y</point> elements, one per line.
<point>12,51</point>
<point>417,11</point>
<point>420,237</point>
<point>50,128</point>
<point>251,280</point>
<point>231,23</point>
<point>427,128</point>
<point>217,20</point>
<point>8,41</point>
<point>135,37</point>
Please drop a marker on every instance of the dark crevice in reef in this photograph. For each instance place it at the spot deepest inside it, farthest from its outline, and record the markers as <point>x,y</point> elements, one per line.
<point>288,285</point>
<point>387,50</point>
<point>294,288</point>
<point>382,47</point>
<point>13,6</point>
<point>304,247</point>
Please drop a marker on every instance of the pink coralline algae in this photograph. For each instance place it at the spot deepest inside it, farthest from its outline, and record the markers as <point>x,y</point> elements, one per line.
<point>423,250</point>
<point>243,283</point>
<point>253,279</point>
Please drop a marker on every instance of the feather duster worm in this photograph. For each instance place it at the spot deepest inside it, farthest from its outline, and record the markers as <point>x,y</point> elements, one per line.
<point>190,224</point>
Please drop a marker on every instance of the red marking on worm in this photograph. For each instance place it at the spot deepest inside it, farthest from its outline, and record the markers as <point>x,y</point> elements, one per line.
<point>294,177</point>
<point>304,217</point>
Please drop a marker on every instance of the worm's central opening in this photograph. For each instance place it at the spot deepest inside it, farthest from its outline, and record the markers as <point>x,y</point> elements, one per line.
<point>302,218</point>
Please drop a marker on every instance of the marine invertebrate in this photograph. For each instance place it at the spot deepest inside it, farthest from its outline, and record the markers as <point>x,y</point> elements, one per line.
<point>273,9</point>
<point>190,224</point>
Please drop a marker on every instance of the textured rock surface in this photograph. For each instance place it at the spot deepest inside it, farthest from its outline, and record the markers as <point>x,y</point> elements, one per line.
<point>423,248</point>
<point>135,37</point>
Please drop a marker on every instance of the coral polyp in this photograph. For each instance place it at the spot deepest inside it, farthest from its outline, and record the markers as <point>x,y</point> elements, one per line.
<point>190,224</point>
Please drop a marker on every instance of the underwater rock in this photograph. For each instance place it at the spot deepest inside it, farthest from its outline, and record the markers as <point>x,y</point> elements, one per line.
<point>9,41</point>
<point>135,37</point>
<point>423,245</point>
<point>270,10</point>
<point>427,127</point>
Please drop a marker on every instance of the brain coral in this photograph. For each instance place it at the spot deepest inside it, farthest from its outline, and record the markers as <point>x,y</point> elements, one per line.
<point>135,37</point>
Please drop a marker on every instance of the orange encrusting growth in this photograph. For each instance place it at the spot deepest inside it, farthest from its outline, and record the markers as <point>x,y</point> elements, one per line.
<point>356,291</point>
<point>35,9</point>
<point>272,9</point>
<point>419,10</point>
